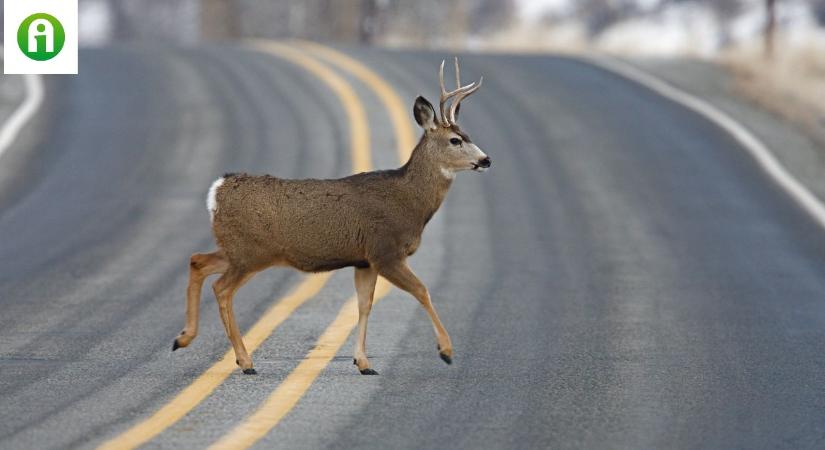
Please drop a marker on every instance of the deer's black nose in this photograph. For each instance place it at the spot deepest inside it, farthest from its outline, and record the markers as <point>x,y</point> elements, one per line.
<point>485,163</point>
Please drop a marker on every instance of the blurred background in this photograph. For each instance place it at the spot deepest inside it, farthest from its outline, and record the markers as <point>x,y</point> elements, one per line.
<point>654,27</point>
<point>774,49</point>
<point>651,27</point>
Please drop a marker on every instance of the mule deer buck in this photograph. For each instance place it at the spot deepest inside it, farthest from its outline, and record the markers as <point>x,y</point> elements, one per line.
<point>372,221</point>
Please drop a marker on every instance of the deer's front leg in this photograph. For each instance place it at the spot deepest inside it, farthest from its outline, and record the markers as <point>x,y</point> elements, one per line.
<point>403,277</point>
<point>365,289</point>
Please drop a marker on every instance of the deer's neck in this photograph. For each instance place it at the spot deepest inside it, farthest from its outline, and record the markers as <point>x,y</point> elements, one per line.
<point>426,185</point>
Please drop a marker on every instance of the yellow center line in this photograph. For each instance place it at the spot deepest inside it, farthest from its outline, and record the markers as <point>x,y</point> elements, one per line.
<point>399,115</point>
<point>359,130</point>
<point>207,382</point>
<point>290,391</point>
<point>286,396</point>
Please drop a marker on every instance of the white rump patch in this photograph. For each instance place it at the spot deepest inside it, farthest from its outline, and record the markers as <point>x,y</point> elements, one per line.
<point>211,198</point>
<point>448,174</point>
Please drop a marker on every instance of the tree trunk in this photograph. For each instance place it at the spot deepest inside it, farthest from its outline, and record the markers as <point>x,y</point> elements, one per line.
<point>770,27</point>
<point>368,26</point>
<point>218,19</point>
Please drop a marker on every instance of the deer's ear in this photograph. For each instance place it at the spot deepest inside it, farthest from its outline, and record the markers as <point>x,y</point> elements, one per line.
<point>457,109</point>
<point>424,113</point>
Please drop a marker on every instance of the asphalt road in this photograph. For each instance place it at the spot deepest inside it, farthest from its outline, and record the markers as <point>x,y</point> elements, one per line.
<point>623,277</point>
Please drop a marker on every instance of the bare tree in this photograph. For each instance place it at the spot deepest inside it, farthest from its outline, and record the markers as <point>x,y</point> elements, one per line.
<point>121,25</point>
<point>598,15</point>
<point>218,19</point>
<point>486,15</point>
<point>725,11</point>
<point>770,27</point>
<point>818,9</point>
<point>369,26</point>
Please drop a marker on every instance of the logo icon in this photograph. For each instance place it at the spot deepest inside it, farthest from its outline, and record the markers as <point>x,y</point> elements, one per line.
<point>41,37</point>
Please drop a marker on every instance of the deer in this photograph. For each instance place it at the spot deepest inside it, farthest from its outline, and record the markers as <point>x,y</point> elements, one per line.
<point>372,221</point>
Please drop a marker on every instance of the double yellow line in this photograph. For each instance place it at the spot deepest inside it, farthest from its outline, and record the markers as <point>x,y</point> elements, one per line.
<point>290,391</point>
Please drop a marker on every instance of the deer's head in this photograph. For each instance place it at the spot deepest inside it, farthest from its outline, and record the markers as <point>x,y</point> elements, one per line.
<point>444,142</point>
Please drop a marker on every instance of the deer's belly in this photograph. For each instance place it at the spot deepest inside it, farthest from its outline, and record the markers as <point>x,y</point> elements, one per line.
<point>327,265</point>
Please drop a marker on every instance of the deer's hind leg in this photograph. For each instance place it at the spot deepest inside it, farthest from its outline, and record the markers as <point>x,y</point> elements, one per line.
<point>225,288</point>
<point>201,265</point>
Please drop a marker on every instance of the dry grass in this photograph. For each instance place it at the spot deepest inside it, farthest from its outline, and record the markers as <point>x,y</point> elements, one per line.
<point>791,84</point>
<point>563,38</point>
<point>509,39</point>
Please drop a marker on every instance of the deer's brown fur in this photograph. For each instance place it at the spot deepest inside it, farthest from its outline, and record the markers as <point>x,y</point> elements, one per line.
<point>372,221</point>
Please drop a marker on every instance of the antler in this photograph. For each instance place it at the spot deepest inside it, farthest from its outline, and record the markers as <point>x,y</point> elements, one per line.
<point>460,93</point>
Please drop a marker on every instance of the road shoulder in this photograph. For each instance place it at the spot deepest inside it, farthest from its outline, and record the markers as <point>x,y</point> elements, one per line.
<point>19,163</point>
<point>791,145</point>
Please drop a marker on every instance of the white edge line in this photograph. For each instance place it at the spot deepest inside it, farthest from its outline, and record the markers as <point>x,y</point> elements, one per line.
<point>24,112</point>
<point>758,150</point>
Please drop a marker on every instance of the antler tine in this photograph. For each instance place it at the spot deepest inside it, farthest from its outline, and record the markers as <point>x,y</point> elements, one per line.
<point>461,96</point>
<point>457,74</point>
<point>459,92</point>
<point>444,94</point>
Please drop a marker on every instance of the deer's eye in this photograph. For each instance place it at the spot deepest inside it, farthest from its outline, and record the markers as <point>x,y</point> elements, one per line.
<point>455,141</point>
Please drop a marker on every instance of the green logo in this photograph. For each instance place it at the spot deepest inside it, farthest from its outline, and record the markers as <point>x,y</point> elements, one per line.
<point>41,37</point>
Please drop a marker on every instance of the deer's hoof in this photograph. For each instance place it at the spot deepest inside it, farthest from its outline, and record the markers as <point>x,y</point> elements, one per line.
<point>446,358</point>
<point>175,345</point>
<point>368,372</point>
<point>250,371</point>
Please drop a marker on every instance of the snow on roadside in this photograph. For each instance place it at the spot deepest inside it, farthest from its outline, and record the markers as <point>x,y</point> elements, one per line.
<point>678,28</point>
<point>686,28</point>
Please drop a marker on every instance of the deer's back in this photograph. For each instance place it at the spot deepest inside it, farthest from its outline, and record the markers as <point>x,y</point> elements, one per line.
<point>312,225</point>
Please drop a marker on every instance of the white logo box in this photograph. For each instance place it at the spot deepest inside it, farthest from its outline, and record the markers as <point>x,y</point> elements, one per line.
<point>15,12</point>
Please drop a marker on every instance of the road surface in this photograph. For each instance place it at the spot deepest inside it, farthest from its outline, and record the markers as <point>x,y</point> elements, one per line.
<point>624,276</point>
